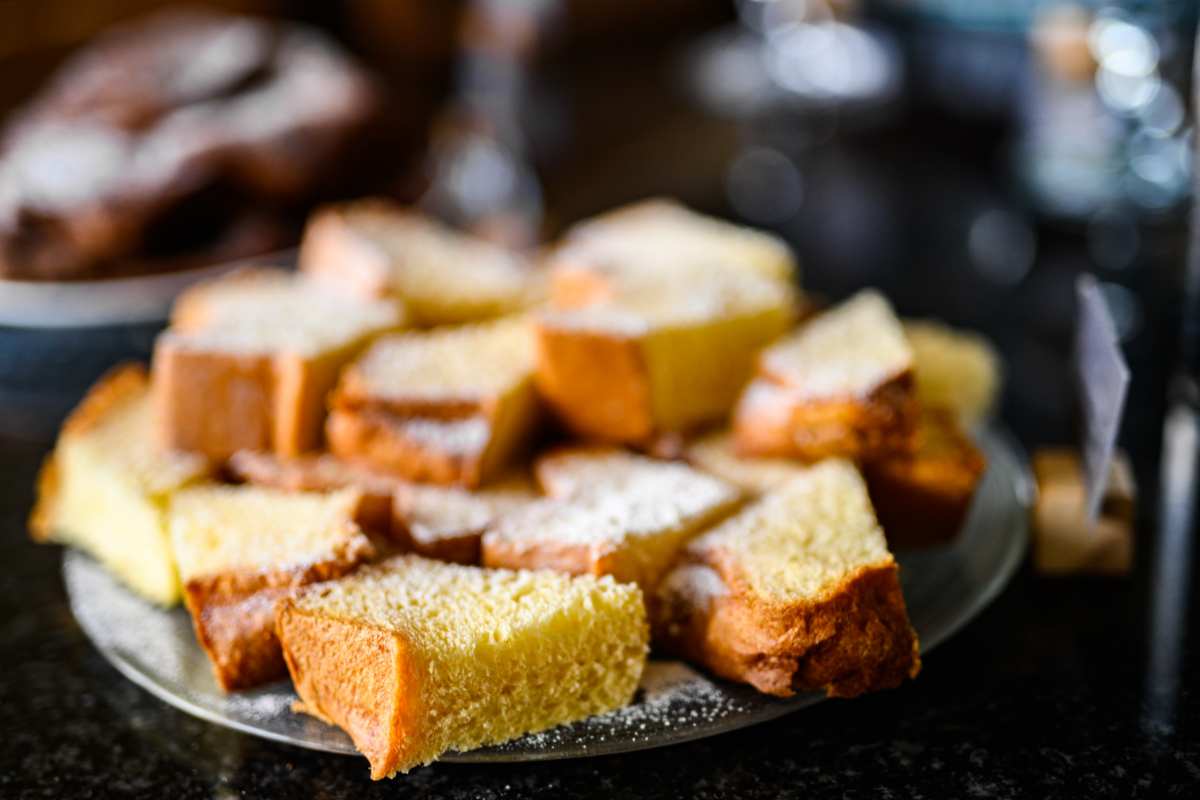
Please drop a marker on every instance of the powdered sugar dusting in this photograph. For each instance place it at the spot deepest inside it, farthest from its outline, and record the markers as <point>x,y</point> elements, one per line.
<point>263,705</point>
<point>696,584</point>
<point>468,435</point>
<point>848,351</point>
<point>672,701</point>
<point>157,649</point>
<point>944,588</point>
<point>612,499</point>
<point>116,618</point>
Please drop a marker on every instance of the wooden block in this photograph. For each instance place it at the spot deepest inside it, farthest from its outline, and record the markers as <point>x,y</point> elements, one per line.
<point>1062,541</point>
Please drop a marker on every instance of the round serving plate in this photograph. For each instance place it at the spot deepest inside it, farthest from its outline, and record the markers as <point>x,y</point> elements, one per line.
<point>944,589</point>
<point>112,301</point>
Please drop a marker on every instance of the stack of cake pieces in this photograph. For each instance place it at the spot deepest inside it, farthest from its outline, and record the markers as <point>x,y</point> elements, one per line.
<point>446,406</point>
<point>249,359</point>
<point>461,532</point>
<point>608,513</point>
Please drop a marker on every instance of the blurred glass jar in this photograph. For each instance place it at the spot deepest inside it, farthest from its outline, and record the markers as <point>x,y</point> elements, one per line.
<point>1103,120</point>
<point>481,176</point>
<point>808,57</point>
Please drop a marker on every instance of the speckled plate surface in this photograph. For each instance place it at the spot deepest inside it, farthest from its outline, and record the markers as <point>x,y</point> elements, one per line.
<point>944,589</point>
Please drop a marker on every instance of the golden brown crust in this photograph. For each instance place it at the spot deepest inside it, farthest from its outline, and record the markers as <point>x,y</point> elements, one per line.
<point>459,437</point>
<point>189,383</point>
<point>596,382</point>
<point>371,690</point>
<point>321,473</point>
<point>857,639</point>
<point>378,439</point>
<point>272,402</point>
<point>355,392</point>
<point>333,249</point>
<point>218,400</point>
<point>238,635</point>
<point>923,498</point>
<point>234,613</point>
<point>622,562</point>
<point>459,547</point>
<point>116,386</point>
<point>642,559</point>
<point>568,557</point>
<point>578,286</point>
<point>462,547</point>
<point>300,388</point>
<point>772,421</point>
<point>42,519</point>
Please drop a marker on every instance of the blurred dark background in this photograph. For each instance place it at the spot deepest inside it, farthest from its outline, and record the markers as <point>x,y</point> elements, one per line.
<point>971,158</point>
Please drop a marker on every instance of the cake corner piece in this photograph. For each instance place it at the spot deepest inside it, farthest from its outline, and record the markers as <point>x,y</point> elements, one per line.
<point>661,356</point>
<point>553,649</point>
<point>609,512</point>
<point>105,486</point>
<point>249,357</point>
<point>840,386</point>
<point>240,549</point>
<point>453,406</point>
<point>797,592</point>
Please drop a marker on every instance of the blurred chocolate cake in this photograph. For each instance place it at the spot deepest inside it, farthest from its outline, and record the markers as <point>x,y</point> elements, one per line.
<point>185,138</point>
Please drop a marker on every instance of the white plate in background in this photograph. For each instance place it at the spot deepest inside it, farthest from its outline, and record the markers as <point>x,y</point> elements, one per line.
<point>117,301</point>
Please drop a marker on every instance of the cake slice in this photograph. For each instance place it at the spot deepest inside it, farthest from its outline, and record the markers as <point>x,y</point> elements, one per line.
<point>956,370</point>
<point>664,360</point>
<point>922,498</point>
<point>442,522</point>
<point>449,406</point>
<point>797,592</point>
<point>457,452</point>
<point>414,657</point>
<point>106,486</point>
<point>574,470</point>
<point>321,473</point>
<point>447,523</point>
<point>443,276</point>
<point>654,240</point>
<point>839,386</point>
<point>611,513</point>
<point>716,454</point>
<point>249,358</point>
<point>240,549</point>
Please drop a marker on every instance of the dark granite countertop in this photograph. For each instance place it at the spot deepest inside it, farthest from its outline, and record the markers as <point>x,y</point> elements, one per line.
<point>1044,695</point>
<point>1047,694</point>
